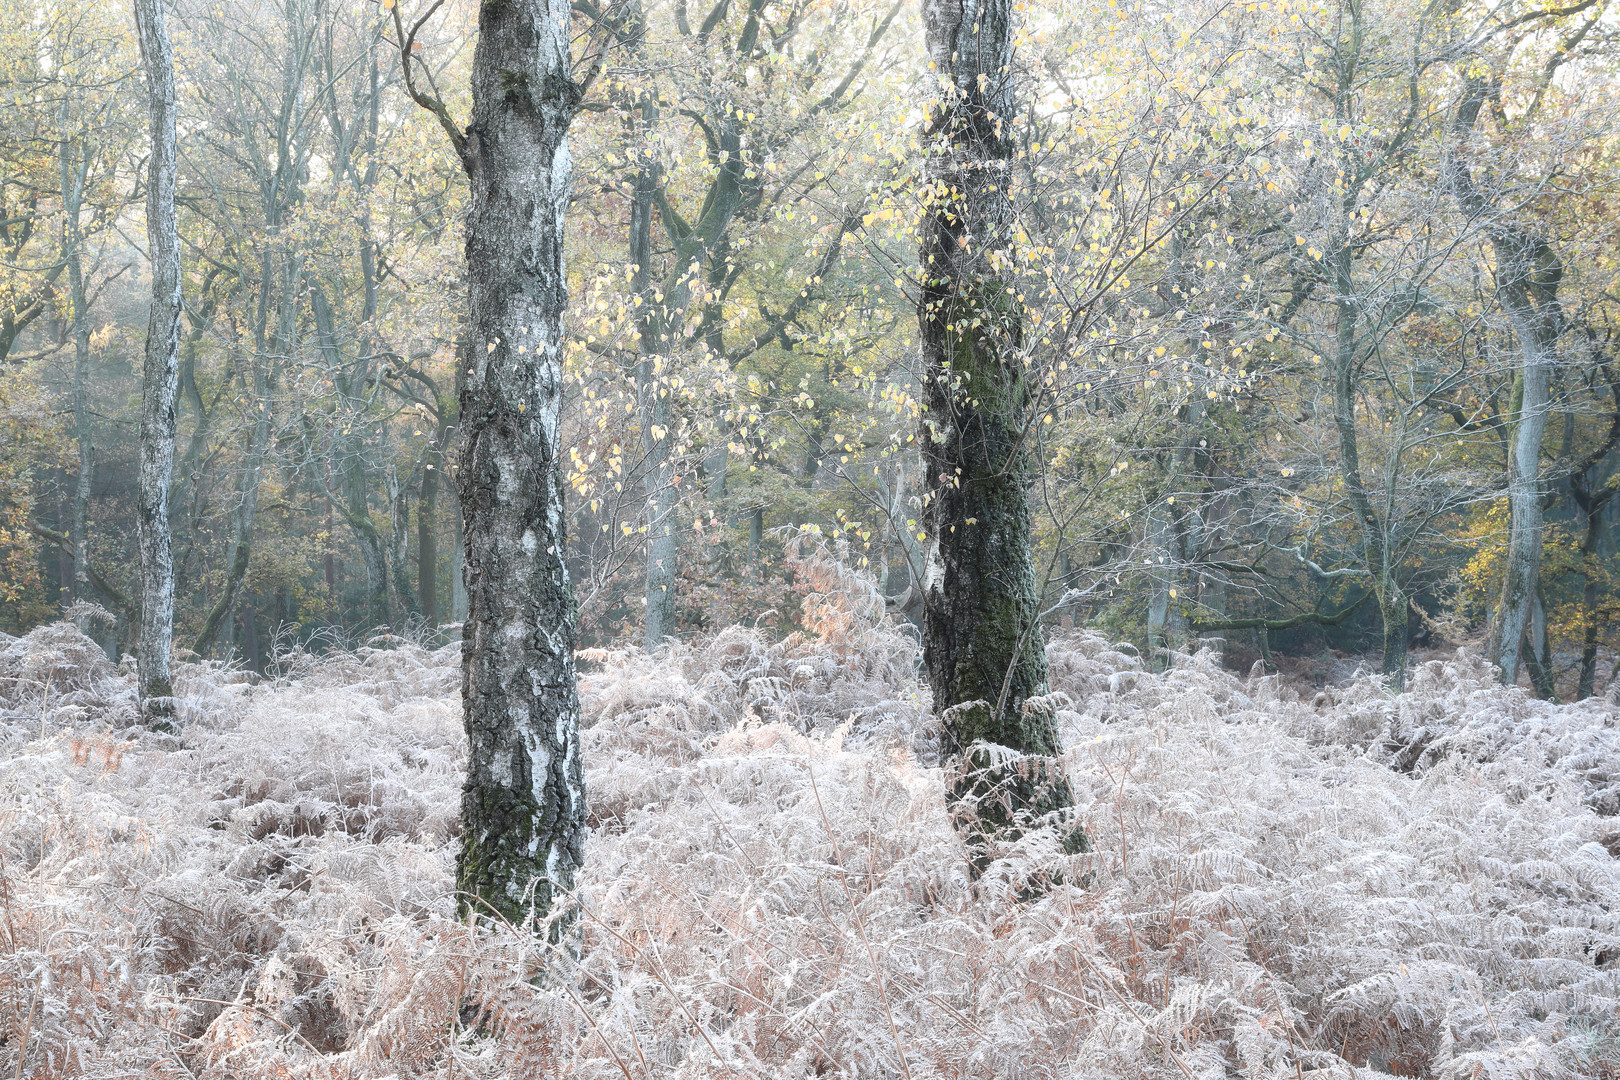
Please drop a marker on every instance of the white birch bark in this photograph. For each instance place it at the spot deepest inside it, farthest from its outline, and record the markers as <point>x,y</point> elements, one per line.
<point>160,375</point>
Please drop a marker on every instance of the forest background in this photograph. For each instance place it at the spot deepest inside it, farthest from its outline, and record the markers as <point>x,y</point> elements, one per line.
<point>1318,322</point>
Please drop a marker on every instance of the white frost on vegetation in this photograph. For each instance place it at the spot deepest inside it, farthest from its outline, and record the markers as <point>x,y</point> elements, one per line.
<point>1355,885</point>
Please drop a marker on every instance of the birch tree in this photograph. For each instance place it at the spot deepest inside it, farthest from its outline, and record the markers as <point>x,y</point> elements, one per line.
<point>523,803</point>
<point>160,374</point>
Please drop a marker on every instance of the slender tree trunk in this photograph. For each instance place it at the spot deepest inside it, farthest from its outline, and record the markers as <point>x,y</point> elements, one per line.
<point>1163,576</point>
<point>329,564</point>
<point>427,541</point>
<point>87,450</point>
<point>1169,545</point>
<point>190,487</point>
<point>250,639</point>
<point>1522,573</point>
<point>1592,510</point>
<point>662,545</point>
<point>227,636</point>
<point>1375,540</point>
<point>402,601</point>
<point>64,555</point>
<point>1392,610</point>
<point>1212,592</point>
<point>357,513</point>
<point>716,462</point>
<point>246,512</point>
<point>160,377</point>
<point>73,167</point>
<point>1589,643</point>
<point>653,405</point>
<point>1538,652</point>
<point>982,647</point>
<point>523,805</point>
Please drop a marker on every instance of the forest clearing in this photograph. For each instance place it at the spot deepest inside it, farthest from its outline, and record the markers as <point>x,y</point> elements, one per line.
<point>794,538</point>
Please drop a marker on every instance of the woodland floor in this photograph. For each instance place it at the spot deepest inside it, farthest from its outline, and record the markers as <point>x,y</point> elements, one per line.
<point>1284,880</point>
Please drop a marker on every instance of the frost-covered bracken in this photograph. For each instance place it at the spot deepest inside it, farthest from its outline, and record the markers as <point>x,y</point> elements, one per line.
<point>1280,886</point>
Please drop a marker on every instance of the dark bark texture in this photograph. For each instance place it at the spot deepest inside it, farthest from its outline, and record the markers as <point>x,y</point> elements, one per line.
<point>523,806</point>
<point>160,376</point>
<point>982,647</point>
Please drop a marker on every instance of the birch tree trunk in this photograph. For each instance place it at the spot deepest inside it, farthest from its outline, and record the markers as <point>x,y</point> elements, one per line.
<point>523,804</point>
<point>982,646</point>
<point>160,377</point>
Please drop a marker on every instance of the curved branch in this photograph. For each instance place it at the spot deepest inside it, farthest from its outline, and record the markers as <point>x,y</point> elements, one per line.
<point>407,43</point>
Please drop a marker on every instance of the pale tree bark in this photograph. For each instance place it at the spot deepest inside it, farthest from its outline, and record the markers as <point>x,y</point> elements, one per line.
<point>160,376</point>
<point>74,166</point>
<point>523,803</point>
<point>653,406</point>
<point>1162,577</point>
<point>982,646</point>
<point>427,539</point>
<point>662,326</point>
<point>1528,272</point>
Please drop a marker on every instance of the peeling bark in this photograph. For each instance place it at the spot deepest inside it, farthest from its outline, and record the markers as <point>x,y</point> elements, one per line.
<point>523,805</point>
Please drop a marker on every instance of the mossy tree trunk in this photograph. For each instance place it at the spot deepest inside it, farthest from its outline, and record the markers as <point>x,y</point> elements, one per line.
<point>982,647</point>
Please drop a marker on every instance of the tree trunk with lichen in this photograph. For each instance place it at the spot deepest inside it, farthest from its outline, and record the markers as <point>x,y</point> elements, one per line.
<point>160,382</point>
<point>982,647</point>
<point>523,804</point>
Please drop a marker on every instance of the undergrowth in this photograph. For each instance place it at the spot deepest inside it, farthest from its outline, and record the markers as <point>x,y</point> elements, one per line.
<point>1357,884</point>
